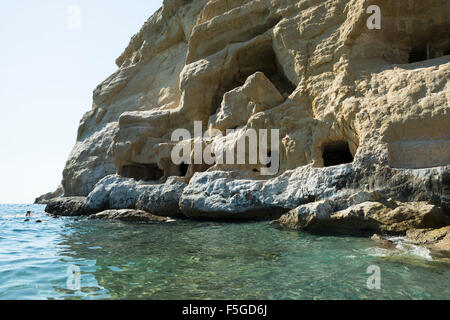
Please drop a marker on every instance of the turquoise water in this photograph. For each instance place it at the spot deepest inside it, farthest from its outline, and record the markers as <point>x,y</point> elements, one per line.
<point>201,260</point>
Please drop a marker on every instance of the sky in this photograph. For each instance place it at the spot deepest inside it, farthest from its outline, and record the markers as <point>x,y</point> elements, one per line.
<point>53,55</point>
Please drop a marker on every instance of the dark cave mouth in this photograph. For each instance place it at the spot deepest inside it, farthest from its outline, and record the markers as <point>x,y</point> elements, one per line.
<point>183,169</point>
<point>145,172</point>
<point>428,50</point>
<point>418,54</point>
<point>336,153</point>
<point>261,59</point>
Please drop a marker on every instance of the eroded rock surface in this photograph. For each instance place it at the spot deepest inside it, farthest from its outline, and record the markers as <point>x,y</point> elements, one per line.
<point>129,216</point>
<point>68,206</point>
<point>438,239</point>
<point>363,115</point>
<point>115,192</point>
<point>389,217</point>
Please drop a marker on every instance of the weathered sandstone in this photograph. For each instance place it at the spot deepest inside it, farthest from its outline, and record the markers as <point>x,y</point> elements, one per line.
<point>363,115</point>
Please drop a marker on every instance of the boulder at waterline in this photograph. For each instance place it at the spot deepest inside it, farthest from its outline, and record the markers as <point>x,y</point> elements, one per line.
<point>368,217</point>
<point>438,239</point>
<point>69,206</point>
<point>127,215</point>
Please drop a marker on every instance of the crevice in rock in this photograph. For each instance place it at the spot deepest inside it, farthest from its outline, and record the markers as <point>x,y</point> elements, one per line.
<point>183,169</point>
<point>336,153</point>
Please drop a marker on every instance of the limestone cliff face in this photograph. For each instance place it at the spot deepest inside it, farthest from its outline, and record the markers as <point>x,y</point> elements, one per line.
<point>337,91</point>
<point>146,82</point>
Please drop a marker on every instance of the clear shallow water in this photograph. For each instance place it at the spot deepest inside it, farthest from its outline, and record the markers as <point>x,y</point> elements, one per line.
<point>201,260</point>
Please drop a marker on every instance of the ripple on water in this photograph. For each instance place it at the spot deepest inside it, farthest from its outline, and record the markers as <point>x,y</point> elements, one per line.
<point>194,260</point>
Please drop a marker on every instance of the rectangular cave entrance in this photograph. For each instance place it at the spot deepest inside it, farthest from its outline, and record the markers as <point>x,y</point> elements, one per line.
<point>418,54</point>
<point>336,153</point>
<point>146,172</point>
<point>428,50</point>
<point>447,51</point>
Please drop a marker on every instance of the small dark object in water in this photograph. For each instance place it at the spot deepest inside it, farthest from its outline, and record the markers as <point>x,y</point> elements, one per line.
<point>26,220</point>
<point>55,216</point>
<point>28,214</point>
<point>38,221</point>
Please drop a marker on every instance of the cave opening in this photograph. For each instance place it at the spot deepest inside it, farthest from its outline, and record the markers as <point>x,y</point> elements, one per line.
<point>261,58</point>
<point>336,153</point>
<point>264,60</point>
<point>183,169</point>
<point>417,54</point>
<point>146,172</point>
<point>429,50</point>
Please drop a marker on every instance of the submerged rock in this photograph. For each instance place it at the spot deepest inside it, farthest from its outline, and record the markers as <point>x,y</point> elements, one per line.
<point>129,216</point>
<point>383,242</point>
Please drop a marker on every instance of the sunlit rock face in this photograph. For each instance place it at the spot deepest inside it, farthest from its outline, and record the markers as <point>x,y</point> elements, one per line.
<point>357,109</point>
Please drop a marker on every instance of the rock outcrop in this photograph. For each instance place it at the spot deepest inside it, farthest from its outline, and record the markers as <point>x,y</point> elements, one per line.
<point>115,192</point>
<point>383,242</point>
<point>44,199</point>
<point>437,239</point>
<point>68,206</point>
<point>363,114</point>
<point>370,217</point>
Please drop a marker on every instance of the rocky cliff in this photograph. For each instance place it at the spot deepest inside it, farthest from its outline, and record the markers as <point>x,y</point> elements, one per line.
<point>362,113</point>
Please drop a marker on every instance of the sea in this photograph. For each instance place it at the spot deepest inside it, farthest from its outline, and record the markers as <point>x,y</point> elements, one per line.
<point>77,258</point>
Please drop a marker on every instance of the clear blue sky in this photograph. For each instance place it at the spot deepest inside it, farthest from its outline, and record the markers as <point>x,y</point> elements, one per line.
<point>47,75</point>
